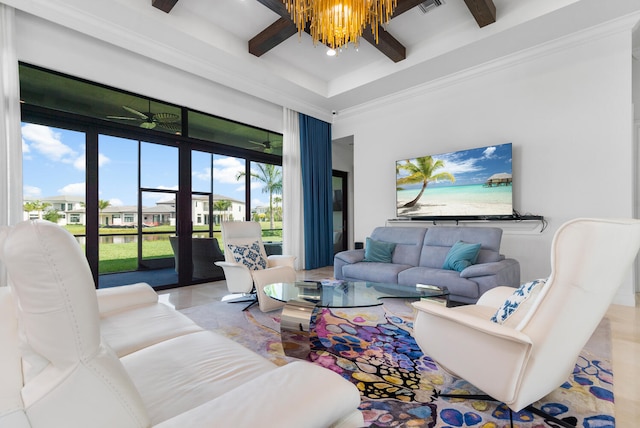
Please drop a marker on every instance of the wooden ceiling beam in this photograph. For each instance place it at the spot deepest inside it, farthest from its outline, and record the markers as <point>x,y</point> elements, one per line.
<point>164,5</point>
<point>387,44</point>
<point>272,36</point>
<point>484,11</point>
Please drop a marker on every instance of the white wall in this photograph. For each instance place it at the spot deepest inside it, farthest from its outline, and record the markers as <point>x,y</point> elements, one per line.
<point>566,107</point>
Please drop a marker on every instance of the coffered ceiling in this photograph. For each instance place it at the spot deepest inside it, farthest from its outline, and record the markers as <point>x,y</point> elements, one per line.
<point>243,44</point>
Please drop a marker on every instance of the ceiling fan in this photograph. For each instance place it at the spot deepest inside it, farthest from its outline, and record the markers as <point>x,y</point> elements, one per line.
<point>150,120</point>
<point>267,146</point>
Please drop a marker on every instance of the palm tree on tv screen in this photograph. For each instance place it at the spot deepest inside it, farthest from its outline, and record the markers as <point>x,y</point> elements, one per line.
<point>271,177</point>
<point>422,171</point>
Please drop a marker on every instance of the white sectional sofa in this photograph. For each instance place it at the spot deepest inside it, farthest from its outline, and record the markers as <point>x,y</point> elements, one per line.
<point>71,357</point>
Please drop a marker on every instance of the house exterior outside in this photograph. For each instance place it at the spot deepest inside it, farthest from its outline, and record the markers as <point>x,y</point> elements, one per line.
<point>71,211</point>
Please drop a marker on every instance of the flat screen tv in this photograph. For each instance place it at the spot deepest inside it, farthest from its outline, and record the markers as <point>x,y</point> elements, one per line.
<point>464,185</point>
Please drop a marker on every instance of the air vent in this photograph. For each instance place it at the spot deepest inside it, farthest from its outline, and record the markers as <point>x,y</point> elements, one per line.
<point>429,5</point>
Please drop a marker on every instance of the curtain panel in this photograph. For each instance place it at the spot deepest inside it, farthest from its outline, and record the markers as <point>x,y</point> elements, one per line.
<point>10,138</point>
<point>293,214</point>
<point>315,149</point>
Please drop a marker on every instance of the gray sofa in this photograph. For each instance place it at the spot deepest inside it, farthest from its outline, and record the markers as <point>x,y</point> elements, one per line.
<point>420,253</point>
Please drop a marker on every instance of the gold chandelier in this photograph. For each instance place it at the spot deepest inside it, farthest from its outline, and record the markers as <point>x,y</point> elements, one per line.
<point>337,22</point>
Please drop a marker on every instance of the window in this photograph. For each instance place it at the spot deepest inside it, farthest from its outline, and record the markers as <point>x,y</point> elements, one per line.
<point>133,181</point>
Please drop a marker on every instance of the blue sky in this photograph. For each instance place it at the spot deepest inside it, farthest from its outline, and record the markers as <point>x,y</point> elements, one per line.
<point>54,164</point>
<point>473,166</point>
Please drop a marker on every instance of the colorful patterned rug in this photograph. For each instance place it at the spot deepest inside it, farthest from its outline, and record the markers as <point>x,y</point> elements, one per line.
<point>374,349</point>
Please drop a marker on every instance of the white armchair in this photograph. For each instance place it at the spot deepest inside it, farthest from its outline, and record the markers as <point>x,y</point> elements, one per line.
<point>520,360</point>
<point>247,266</point>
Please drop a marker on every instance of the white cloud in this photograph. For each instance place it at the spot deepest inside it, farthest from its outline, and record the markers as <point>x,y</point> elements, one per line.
<point>256,202</point>
<point>226,169</point>
<point>174,187</point>
<point>79,163</point>
<point>25,147</point>
<point>73,189</point>
<point>48,143</point>
<point>31,191</point>
<point>455,166</point>
<point>102,159</point>
<point>488,152</point>
<point>115,202</point>
<point>204,175</point>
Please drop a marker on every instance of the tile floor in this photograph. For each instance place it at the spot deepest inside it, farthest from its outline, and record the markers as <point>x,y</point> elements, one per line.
<point>625,332</point>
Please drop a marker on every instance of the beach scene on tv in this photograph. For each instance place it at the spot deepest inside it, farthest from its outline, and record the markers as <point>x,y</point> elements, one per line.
<point>474,182</point>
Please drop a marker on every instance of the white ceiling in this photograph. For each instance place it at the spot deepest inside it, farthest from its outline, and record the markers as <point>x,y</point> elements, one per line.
<point>210,38</point>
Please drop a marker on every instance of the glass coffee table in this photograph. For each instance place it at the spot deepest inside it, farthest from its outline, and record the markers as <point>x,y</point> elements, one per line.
<point>303,297</point>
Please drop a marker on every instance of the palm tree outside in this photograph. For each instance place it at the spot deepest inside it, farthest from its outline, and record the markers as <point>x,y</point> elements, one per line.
<point>271,177</point>
<point>423,171</point>
<point>221,205</point>
<point>102,204</point>
<point>37,205</point>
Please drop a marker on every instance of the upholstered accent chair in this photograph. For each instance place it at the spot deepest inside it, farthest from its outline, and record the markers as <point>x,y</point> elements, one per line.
<point>518,360</point>
<point>204,253</point>
<point>247,268</point>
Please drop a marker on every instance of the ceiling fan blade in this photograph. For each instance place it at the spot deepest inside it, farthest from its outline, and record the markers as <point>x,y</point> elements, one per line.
<point>165,117</point>
<point>123,118</point>
<point>171,126</point>
<point>136,112</point>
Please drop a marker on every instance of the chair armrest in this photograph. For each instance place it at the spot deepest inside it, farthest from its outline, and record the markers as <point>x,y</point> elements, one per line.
<point>286,397</point>
<point>281,260</point>
<point>125,297</point>
<point>238,277</point>
<point>502,352</point>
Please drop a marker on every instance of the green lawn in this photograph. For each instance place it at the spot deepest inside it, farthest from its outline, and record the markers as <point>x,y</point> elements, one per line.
<point>124,257</point>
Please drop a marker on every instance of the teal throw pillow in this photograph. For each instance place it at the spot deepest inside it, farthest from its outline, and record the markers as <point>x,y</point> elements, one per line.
<point>378,251</point>
<point>461,256</point>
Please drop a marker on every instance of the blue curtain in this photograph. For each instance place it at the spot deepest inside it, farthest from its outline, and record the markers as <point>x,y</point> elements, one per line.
<point>315,159</point>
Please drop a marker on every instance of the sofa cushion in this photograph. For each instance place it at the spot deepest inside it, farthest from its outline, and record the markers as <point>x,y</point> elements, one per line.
<point>439,240</point>
<point>451,279</point>
<point>182,373</point>
<point>154,323</point>
<point>376,272</point>
<point>408,242</point>
<point>378,251</point>
<point>461,256</point>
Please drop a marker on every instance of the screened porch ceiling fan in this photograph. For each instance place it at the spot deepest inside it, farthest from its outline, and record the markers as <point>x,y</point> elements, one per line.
<point>150,120</point>
<point>267,145</point>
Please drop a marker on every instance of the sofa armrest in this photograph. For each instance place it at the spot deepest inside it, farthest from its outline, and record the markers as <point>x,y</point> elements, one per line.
<point>350,256</point>
<point>486,269</point>
<point>345,258</point>
<point>125,297</point>
<point>296,403</point>
<point>495,274</point>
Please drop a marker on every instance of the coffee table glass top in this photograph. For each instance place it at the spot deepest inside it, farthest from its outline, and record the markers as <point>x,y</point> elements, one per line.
<point>348,294</point>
